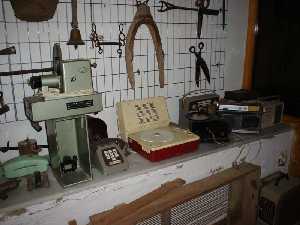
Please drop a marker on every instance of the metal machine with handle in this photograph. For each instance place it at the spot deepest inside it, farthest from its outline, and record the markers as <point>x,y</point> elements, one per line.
<point>67,96</point>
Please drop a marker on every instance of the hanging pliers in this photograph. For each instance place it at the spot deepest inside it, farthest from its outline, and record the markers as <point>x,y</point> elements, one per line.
<point>200,63</point>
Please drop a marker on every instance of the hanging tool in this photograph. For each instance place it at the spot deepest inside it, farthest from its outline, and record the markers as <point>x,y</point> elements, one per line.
<point>97,40</point>
<point>3,107</point>
<point>34,10</point>
<point>56,62</point>
<point>202,10</point>
<point>223,14</point>
<point>143,16</point>
<point>56,58</point>
<point>203,4</point>
<point>200,63</point>
<point>21,72</point>
<point>8,51</point>
<point>75,36</point>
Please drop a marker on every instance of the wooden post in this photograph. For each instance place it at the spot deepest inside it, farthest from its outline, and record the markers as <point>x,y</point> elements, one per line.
<point>250,44</point>
<point>243,200</point>
<point>294,166</point>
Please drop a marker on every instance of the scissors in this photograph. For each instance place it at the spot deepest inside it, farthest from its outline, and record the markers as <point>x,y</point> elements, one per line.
<point>203,5</point>
<point>200,63</point>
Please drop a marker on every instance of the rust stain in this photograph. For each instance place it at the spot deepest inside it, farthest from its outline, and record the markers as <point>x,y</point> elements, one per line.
<point>58,200</point>
<point>180,166</point>
<point>12,213</point>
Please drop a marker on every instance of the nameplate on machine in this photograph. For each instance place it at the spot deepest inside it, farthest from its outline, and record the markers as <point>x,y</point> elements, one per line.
<point>79,104</point>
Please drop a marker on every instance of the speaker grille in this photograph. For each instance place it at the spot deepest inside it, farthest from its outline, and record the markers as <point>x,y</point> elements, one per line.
<point>203,210</point>
<point>154,220</point>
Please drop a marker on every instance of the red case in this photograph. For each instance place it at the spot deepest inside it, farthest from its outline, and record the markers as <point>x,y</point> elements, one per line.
<point>164,153</point>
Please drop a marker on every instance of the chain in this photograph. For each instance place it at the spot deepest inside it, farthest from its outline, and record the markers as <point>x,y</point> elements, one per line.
<point>122,39</point>
<point>96,39</point>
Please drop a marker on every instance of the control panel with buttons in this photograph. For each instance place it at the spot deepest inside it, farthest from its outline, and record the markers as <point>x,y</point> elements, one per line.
<point>111,159</point>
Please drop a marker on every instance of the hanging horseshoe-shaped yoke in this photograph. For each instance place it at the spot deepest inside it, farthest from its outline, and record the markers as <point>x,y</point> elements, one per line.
<point>143,16</point>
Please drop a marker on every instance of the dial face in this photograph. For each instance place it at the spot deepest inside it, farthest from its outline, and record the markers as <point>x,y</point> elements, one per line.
<point>204,106</point>
<point>112,156</point>
<point>146,113</point>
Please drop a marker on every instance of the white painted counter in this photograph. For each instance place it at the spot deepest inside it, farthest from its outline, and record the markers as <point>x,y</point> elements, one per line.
<point>55,205</point>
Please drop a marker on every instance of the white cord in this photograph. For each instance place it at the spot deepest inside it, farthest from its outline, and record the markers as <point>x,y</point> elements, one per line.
<point>242,148</point>
<point>258,151</point>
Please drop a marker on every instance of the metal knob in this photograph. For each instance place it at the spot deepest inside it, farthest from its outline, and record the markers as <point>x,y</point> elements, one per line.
<point>94,65</point>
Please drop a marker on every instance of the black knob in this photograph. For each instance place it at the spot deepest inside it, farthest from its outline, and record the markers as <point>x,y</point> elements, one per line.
<point>35,82</point>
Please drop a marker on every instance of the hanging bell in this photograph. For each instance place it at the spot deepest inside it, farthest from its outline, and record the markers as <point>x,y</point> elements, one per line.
<point>75,38</point>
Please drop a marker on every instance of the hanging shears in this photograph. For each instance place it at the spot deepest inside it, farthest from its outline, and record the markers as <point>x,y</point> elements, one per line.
<point>200,63</point>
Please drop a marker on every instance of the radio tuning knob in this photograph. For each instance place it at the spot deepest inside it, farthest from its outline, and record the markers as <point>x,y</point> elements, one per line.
<point>93,65</point>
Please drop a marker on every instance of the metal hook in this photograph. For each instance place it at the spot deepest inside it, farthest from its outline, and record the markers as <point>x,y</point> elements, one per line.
<point>165,6</point>
<point>202,3</point>
<point>141,3</point>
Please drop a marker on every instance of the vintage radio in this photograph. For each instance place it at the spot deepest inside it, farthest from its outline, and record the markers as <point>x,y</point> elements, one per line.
<point>279,202</point>
<point>146,125</point>
<point>272,111</point>
<point>198,113</point>
<point>242,121</point>
<point>252,116</point>
<point>203,105</point>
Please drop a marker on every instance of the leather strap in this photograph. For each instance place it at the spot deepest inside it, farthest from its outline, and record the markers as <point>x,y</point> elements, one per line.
<point>143,16</point>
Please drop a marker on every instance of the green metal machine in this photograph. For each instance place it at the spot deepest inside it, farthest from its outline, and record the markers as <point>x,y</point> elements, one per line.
<point>62,102</point>
<point>32,167</point>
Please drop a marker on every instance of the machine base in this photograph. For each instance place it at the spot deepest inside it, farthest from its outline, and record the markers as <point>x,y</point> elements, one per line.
<point>72,178</point>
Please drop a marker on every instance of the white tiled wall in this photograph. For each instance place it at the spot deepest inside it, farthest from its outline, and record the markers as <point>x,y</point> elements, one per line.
<point>34,41</point>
